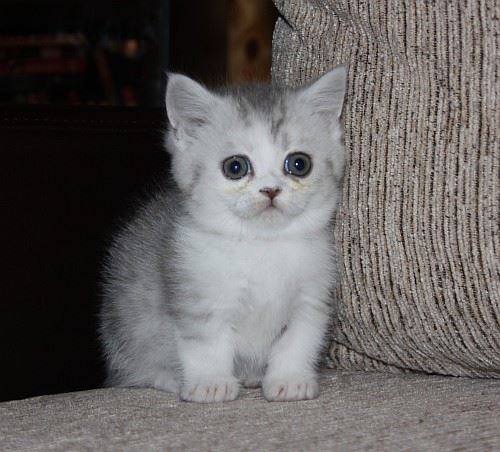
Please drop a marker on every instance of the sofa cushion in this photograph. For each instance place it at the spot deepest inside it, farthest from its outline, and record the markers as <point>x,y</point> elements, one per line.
<point>419,223</point>
<point>355,411</point>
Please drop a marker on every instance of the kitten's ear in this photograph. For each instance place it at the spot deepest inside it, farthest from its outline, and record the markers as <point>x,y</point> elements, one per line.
<point>188,103</point>
<point>326,94</point>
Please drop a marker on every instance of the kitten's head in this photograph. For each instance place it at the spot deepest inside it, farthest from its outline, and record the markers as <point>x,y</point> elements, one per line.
<point>260,158</point>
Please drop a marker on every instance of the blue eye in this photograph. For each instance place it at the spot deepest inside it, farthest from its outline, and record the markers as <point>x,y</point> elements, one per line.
<point>236,167</point>
<point>298,164</point>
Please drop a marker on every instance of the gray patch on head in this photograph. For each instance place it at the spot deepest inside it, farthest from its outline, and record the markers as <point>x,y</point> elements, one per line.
<point>243,110</point>
<point>268,102</point>
<point>284,141</point>
<point>196,176</point>
<point>278,117</point>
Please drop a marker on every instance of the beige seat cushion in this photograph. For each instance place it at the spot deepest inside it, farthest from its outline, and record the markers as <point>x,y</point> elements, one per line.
<point>419,224</point>
<point>355,412</point>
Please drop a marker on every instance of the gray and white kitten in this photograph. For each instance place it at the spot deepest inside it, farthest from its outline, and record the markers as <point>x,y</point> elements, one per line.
<point>226,279</point>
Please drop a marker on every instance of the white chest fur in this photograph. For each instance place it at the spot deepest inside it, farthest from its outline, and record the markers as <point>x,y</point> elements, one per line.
<point>253,284</point>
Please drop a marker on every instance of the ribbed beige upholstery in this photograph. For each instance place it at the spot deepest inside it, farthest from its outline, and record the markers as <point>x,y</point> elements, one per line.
<point>419,222</point>
<point>355,412</point>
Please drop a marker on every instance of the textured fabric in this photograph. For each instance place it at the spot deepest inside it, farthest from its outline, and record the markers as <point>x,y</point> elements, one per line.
<point>364,411</point>
<point>418,226</point>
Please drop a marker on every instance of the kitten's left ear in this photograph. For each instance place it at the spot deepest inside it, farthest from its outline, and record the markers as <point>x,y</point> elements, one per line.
<point>188,103</point>
<point>326,94</point>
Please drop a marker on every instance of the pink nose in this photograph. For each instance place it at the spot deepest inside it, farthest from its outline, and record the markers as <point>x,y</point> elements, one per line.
<point>270,192</point>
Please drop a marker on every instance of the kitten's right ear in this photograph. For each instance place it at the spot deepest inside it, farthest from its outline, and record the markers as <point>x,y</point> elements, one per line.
<point>188,103</point>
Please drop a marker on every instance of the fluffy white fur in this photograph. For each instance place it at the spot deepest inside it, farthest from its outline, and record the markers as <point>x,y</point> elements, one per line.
<point>211,286</point>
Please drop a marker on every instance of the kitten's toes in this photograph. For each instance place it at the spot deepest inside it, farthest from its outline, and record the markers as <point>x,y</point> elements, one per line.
<point>290,388</point>
<point>210,391</point>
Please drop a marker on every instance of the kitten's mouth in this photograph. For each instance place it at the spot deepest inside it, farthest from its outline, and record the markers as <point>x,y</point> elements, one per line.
<point>271,207</point>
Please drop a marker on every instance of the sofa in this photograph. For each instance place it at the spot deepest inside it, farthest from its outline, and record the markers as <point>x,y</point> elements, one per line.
<point>356,411</point>
<point>413,361</point>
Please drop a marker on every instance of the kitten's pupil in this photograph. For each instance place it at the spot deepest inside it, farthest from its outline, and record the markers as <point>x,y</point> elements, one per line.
<point>235,167</point>
<point>299,164</point>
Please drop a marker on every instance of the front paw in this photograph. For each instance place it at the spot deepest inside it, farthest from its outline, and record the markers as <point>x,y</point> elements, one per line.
<point>222,390</point>
<point>294,387</point>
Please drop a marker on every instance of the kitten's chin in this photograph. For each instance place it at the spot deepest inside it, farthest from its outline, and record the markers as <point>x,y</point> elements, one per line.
<point>271,213</point>
<point>270,217</point>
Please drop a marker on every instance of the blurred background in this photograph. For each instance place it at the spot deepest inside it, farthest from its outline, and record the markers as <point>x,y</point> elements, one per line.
<point>116,52</point>
<point>82,123</point>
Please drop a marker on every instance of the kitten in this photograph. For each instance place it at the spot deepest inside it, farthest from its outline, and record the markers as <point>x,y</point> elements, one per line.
<point>226,278</point>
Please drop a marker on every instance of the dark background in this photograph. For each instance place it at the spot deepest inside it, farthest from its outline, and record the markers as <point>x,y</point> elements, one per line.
<point>188,36</point>
<point>66,181</point>
<point>73,166</point>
